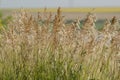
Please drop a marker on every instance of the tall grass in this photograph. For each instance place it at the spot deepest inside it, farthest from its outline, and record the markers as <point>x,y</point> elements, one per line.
<point>43,48</point>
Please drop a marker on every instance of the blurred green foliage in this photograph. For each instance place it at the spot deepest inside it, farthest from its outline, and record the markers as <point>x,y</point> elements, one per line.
<point>4,20</point>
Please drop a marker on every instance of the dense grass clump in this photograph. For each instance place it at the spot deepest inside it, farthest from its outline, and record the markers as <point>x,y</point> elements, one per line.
<point>43,48</point>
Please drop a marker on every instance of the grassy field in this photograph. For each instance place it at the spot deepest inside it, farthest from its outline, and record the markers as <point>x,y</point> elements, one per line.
<point>103,10</point>
<point>45,47</point>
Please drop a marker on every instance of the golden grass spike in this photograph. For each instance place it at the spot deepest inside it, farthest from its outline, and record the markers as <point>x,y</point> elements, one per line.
<point>114,20</point>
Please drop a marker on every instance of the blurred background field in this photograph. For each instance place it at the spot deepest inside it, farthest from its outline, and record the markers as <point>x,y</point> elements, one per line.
<point>72,13</point>
<point>76,10</point>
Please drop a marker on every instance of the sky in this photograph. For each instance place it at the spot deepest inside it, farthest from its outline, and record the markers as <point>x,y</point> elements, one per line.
<point>57,3</point>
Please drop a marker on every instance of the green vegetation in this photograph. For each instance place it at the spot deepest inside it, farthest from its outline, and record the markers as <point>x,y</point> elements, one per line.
<point>4,21</point>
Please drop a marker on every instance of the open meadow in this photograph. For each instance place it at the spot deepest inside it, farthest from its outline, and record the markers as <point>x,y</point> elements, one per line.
<point>72,44</point>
